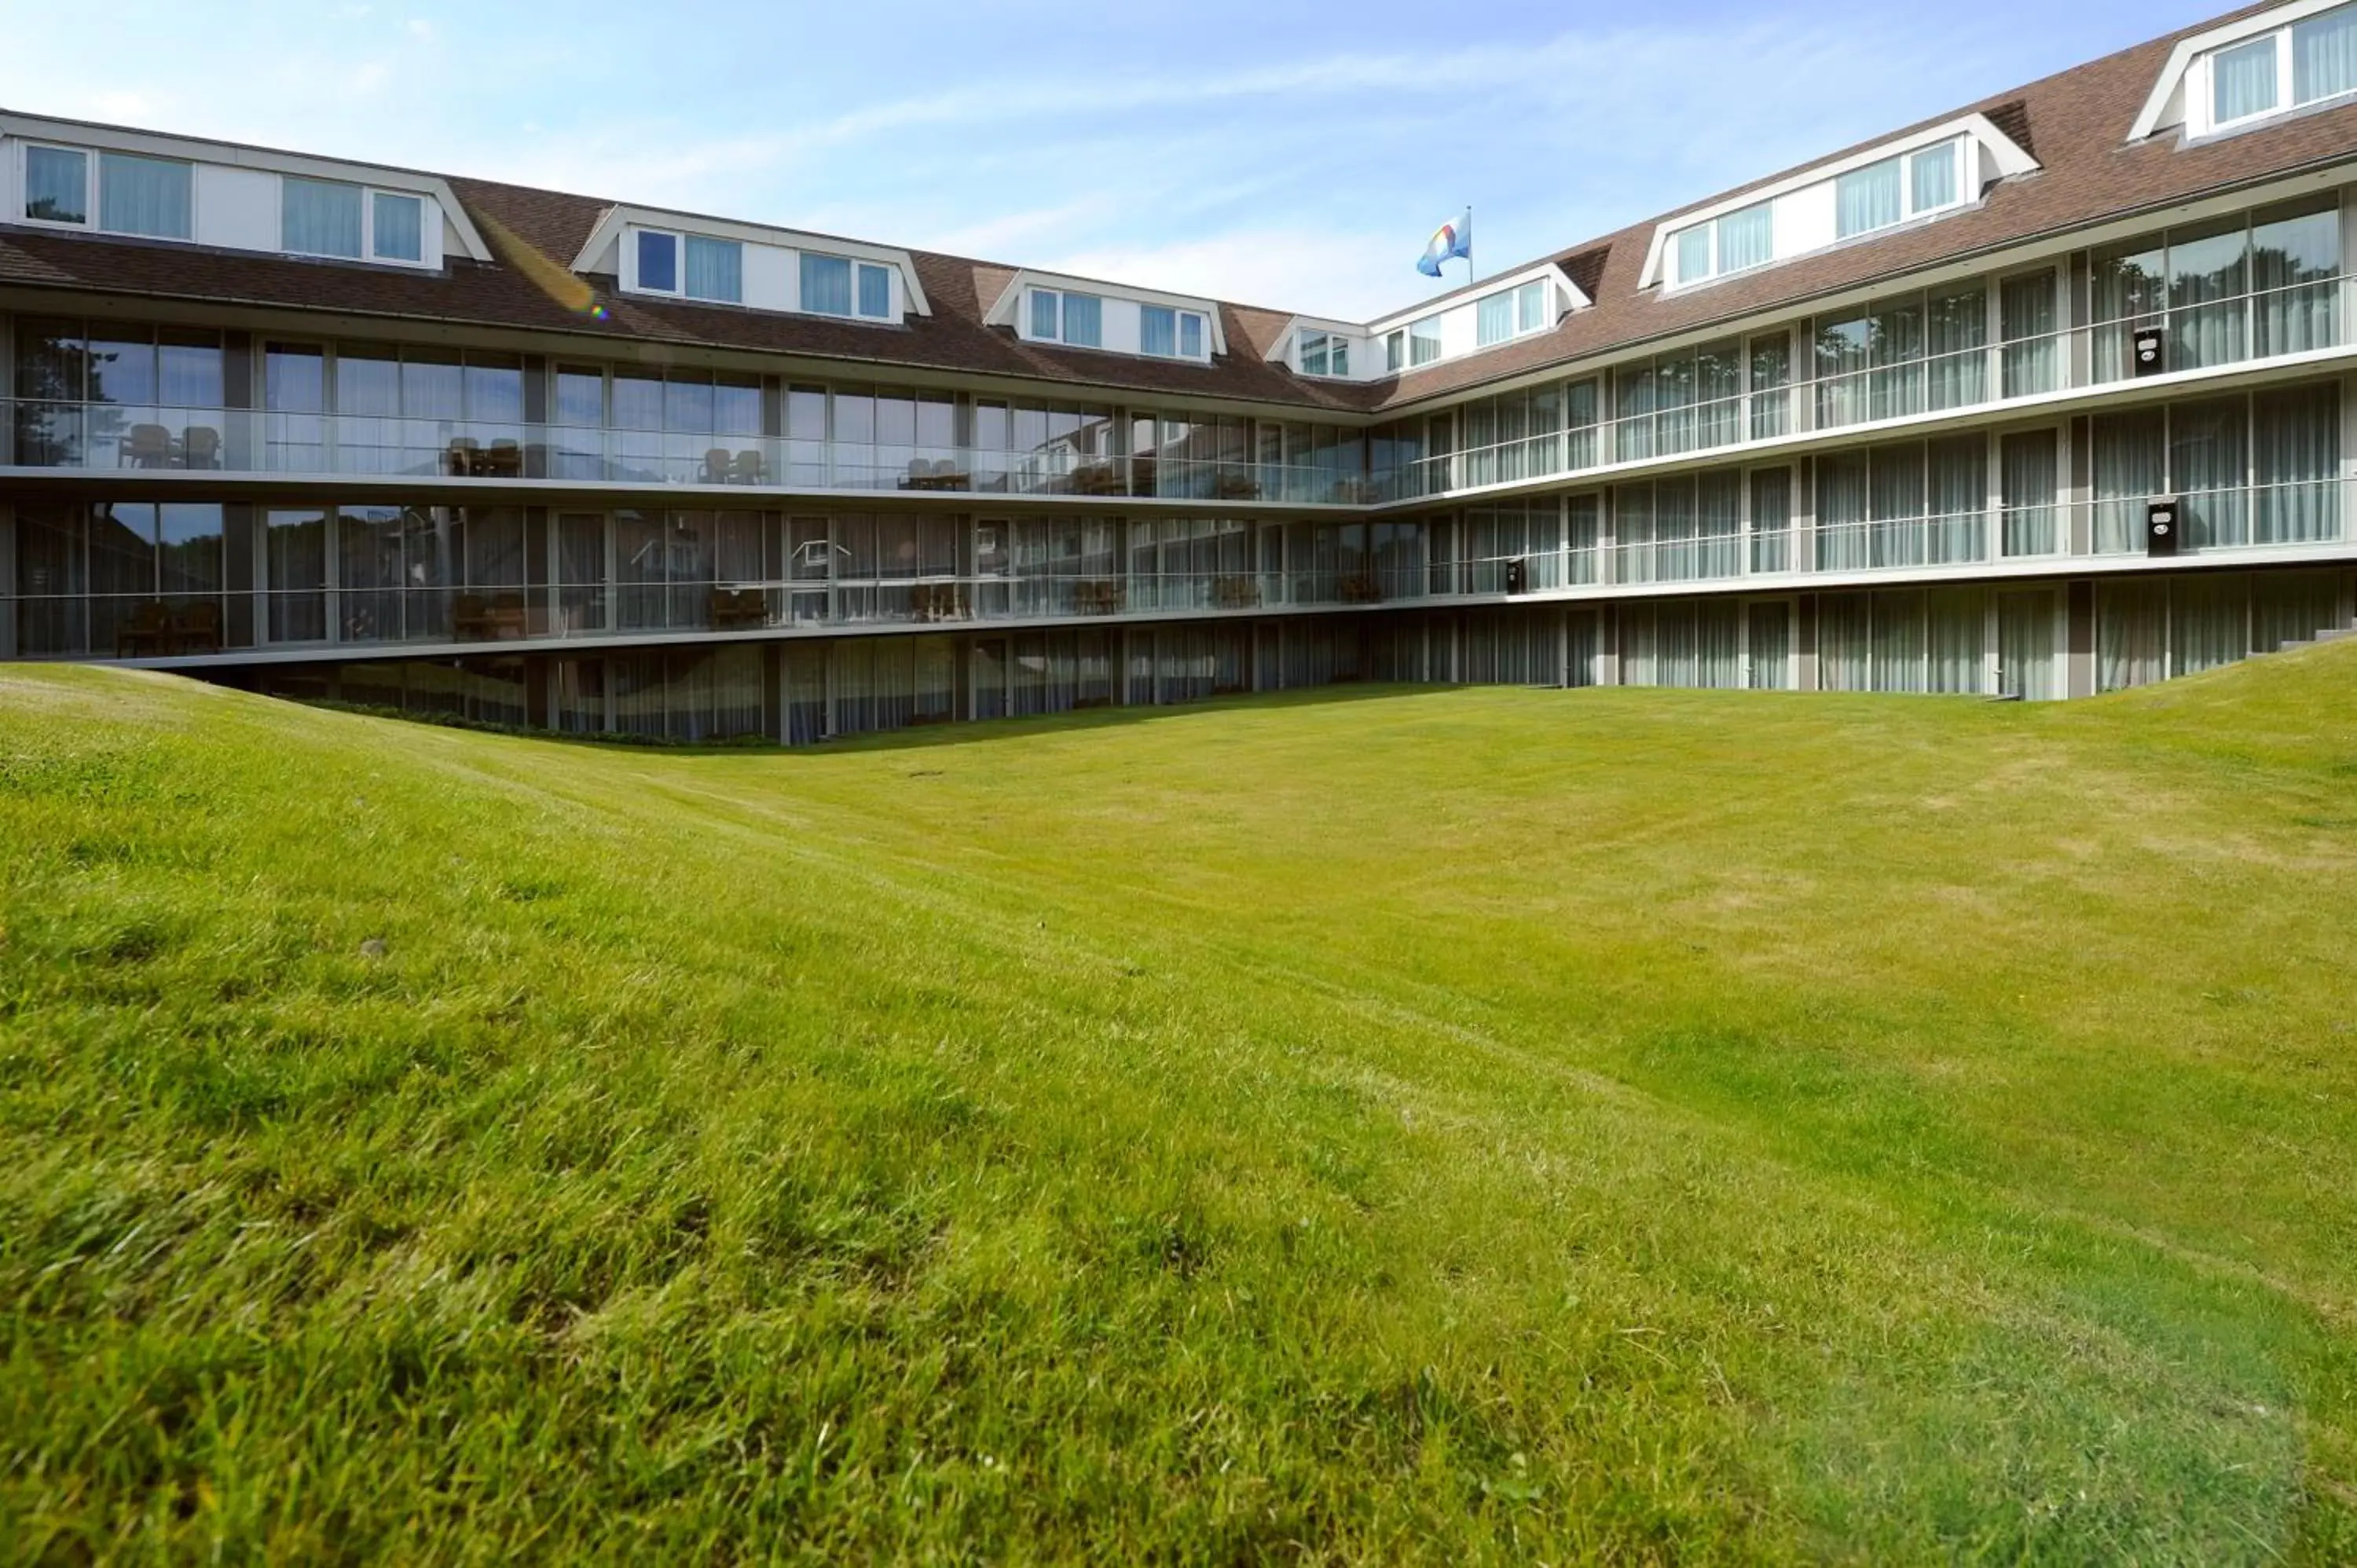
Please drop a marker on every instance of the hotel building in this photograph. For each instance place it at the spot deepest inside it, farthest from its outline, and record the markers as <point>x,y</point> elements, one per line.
<point>2042,397</point>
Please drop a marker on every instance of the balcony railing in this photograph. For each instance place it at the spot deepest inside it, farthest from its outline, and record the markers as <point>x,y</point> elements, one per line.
<point>134,437</point>
<point>2249,520</point>
<point>2260,325</point>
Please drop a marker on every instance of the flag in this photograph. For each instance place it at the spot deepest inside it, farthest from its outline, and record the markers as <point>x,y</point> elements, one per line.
<point>1449,240</point>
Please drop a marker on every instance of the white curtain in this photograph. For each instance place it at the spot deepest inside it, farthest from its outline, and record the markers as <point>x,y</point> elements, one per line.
<point>826,286</point>
<point>2131,634</point>
<point>143,195</point>
<point>2324,56</point>
<point>2296,464</point>
<point>716,270</point>
<point>2292,607</point>
<point>2128,455</point>
<point>1899,642</point>
<point>2243,80</point>
<point>2025,320</point>
<point>2209,621</point>
<point>1842,544</point>
<point>2027,481</point>
<point>320,217</point>
<point>1867,199</point>
<point>2209,454</point>
<point>2295,277</point>
<point>1959,640</point>
<point>1957,499</point>
<point>1844,642</point>
<point>1956,341</point>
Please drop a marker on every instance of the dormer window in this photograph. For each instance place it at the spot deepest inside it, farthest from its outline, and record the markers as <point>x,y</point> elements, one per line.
<point>1061,315</point>
<point>691,266</point>
<point>349,222</point>
<point>1896,191</point>
<point>1325,354</point>
<point>833,284</point>
<point>1170,334</point>
<point>150,197</point>
<point>2316,60</point>
<point>1510,313</point>
<point>1926,175</point>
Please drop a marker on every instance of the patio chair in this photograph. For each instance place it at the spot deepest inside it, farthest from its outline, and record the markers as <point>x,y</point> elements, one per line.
<point>147,446</point>
<point>146,632</point>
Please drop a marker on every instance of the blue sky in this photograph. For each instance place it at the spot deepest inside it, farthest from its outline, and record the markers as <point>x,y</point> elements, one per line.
<point>1294,156</point>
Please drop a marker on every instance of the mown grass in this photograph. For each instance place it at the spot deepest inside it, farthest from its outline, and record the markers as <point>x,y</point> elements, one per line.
<point>1409,1126</point>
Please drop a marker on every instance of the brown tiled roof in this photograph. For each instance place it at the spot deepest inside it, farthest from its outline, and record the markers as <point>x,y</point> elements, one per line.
<point>2076,123</point>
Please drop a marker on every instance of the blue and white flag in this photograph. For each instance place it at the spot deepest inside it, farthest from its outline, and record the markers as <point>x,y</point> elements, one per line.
<point>1449,240</point>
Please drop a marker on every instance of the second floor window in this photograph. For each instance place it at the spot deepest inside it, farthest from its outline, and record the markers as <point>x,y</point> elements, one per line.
<point>1325,354</point>
<point>2315,59</point>
<point>1898,188</point>
<point>1170,334</point>
<point>694,266</point>
<point>832,286</point>
<point>1424,341</point>
<point>152,198</point>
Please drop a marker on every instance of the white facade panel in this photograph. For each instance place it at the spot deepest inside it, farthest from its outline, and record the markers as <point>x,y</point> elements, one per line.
<point>1459,331</point>
<point>237,208</point>
<point>1122,332</point>
<point>1804,219</point>
<point>772,277</point>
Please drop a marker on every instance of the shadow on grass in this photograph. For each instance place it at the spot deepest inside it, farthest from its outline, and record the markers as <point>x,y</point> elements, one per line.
<point>919,738</point>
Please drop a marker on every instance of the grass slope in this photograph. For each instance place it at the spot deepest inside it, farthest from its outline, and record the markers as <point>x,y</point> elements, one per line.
<point>1419,1125</point>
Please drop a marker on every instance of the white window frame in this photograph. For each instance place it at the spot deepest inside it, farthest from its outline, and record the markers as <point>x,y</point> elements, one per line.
<point>369,193</point>
<point>91,158</point>
<point>1436,339</point>
<point>1179,317</point>
<point>1960,147</point>
<point>2201,84</point>
<point>1337,348</point>
<point>859,269</point>
<point>1395,350</point>
<point>678,238</point>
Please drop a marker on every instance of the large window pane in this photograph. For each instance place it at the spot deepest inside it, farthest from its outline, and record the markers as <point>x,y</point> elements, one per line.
<point>2209,456</point>
<point>1084,321</point>
<point>1157,328</point>
<point>2324,56</point>
<point>826,284</point>
<point>2243,80</point>
<point>1495,319</point>
<point>1745,238</point>
<point>659,262</point>
<point>143,195</point>
<point>716,270</point>
<point>875,291</point>
<point>320,217</point>
<point>2207,269</point>
<point>400,227</point>
<point>1867,199</point>
<point>2296,463</point>
<point>57,185</point>
<point>1932,177</point>
<point>2295,269</point>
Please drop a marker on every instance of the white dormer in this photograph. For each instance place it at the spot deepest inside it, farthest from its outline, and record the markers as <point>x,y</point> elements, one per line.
<point>1079,313</point>
<point>1323,350</point>
<point>1927,174</point>
<point>2255,69</point>
<point>671,255</point>
<point>73,178</point>
<point>1495,311</point>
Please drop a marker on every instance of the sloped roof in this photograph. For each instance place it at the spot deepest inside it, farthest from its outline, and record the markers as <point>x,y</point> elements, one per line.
<point>2076,122</point>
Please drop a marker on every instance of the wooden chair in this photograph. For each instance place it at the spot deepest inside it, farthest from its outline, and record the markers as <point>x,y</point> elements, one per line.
<point>736,609</point>
<point>197,627</point>
<point>460,457</point>
<point>200,449</point>
<point>748,468</point>
<point>470,617</point>
<point>147,446</point>
<point>719,464</point>
<point>146,632</point>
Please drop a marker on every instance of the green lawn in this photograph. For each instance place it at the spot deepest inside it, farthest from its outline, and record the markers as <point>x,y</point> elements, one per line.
<point>1388,1126</point>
